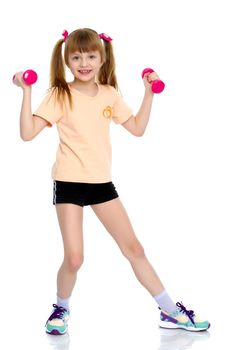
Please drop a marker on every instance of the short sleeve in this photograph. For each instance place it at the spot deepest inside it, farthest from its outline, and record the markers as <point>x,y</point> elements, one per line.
<point>121,111</point>
<point>50,109</point>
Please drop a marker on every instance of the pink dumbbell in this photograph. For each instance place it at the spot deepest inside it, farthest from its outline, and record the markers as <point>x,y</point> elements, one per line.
<point>157,85</point>
<point>29,77</point>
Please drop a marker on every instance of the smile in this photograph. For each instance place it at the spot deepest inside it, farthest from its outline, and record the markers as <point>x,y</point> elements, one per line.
<point>84,71</point>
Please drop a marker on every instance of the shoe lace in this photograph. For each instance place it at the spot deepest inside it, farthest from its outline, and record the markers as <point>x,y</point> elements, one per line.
<point>58,312</point>
<point>189,313</point>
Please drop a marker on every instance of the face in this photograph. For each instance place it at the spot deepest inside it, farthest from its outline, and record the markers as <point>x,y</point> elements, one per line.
<point>85,65</point>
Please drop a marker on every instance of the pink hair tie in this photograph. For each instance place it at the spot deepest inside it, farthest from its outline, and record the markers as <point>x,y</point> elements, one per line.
<point>65,34</point>
<point>105,37</point>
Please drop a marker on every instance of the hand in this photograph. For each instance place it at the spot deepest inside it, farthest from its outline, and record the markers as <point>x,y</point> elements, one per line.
<point>18,80</point>
<point>148,78</point>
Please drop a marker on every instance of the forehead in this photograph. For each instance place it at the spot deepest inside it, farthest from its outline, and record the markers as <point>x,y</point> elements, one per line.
<point>82,53</point>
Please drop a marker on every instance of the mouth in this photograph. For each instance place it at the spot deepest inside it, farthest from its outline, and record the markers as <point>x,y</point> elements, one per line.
<point>84,71</point>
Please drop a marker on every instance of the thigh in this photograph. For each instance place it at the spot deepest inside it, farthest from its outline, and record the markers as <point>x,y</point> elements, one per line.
<point>115,219</point>
<point>70,218</point>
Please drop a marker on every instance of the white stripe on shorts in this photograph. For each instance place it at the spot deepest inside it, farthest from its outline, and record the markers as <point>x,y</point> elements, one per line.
<point>54,191</point>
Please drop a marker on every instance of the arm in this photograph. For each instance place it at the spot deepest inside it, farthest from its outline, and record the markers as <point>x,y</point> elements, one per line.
<point>137,125</point>
<point>30,125</point>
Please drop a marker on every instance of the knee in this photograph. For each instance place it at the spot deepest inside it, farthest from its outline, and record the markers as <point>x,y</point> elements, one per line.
<point>135,250</point>
<point>74,262</point>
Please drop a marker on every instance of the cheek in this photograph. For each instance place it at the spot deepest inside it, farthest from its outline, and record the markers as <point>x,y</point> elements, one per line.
<point>72,67</point>
<point>98,65</point>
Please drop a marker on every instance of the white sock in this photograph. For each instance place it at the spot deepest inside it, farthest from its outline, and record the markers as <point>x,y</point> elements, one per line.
<point>63,302</point>
<point>165,302</point>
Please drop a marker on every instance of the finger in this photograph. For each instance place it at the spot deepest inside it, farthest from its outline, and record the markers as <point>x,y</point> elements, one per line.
<point>16,76</point>
<point>18,79</point>
<point>153,76</point>
<point>146,77</point>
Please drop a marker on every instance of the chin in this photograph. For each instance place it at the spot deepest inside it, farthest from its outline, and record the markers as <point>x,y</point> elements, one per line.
<point>85,79</point>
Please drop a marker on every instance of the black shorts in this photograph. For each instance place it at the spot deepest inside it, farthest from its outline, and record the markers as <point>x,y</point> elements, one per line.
<point>82,193</point>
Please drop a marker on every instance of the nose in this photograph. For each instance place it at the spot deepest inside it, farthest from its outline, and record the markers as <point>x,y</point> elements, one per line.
<point>83,62</point>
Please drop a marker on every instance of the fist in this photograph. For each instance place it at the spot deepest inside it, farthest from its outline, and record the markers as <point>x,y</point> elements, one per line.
<point>18,80</point>
<point>148,78</point>
<point>152,76</point>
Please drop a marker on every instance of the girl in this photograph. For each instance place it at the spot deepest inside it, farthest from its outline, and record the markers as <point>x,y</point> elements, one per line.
<point>82,110</point>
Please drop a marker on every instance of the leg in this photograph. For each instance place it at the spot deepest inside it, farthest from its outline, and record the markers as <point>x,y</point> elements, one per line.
<point>116,221</point>
<point>70,218</point>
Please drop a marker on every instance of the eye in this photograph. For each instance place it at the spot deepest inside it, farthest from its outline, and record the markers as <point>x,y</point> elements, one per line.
<point>75,58</point>
<point>92,56</point>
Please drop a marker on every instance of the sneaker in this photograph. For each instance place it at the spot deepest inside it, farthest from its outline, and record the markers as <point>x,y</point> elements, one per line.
<point>57,323</point>
<point>182,318</point>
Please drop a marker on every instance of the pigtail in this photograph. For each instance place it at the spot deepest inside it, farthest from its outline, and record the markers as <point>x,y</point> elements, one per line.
<point>107,73</point>
<point>57,74</point>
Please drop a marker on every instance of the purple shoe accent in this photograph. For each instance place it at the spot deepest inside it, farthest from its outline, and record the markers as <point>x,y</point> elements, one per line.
<point>57,313</point>
<point>189,313</point>
<point>165,317</point>
<point>54,332</point>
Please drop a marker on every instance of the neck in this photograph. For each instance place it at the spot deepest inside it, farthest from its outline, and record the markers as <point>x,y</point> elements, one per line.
<point>84,85</point>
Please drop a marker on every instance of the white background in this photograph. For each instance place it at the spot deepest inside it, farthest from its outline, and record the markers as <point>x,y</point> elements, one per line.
<point>175,181</point>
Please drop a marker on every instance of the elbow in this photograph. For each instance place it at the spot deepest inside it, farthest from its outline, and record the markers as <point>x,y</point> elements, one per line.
<point>139,134</point>
<point>26,137</point>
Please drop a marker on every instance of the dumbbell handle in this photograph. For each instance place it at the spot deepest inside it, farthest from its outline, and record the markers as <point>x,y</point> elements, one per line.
<point>29,77</point>
<point>157,85</point>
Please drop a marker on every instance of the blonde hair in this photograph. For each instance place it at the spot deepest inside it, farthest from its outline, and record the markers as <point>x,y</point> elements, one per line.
<point>82,40</point>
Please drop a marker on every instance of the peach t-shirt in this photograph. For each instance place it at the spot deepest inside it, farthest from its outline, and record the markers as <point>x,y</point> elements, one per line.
<point>84,153</point>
